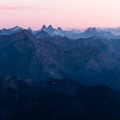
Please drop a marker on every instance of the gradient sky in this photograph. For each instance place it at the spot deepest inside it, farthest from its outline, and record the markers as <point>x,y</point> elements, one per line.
<point>65,13</point>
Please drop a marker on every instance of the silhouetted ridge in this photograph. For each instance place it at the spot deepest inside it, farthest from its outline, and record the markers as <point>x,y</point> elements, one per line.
<point>24,99</point>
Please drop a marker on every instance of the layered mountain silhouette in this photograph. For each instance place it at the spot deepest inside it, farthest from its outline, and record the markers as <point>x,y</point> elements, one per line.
<point>72,33</point>
<point>88,61</point>
<point>115,31</point>
<point>75,34</point>
<point>95,32</point>
<point>56,74</point>
<point>10,30</point>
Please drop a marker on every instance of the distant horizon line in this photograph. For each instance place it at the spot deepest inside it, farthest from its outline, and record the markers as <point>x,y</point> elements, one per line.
<point>72,28</point>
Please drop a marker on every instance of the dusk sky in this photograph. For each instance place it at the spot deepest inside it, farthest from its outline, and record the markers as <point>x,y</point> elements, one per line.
<point>65,13</point>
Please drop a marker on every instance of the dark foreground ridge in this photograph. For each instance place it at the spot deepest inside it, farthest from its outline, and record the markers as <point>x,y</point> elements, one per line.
<point>53,99</point>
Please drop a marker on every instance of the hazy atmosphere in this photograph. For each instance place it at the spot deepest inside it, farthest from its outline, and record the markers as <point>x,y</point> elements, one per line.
<point>59,59</point>
<point>64,13</point>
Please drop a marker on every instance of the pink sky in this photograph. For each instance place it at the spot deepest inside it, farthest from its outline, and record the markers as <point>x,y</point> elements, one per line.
<point>65,13</point>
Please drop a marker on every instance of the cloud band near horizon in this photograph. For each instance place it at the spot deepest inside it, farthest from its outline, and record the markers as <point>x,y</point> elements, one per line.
<point>6,7</point>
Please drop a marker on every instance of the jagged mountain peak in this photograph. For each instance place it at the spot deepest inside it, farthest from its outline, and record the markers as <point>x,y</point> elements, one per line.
<point>50,27</point>
<point>94,29</point>
<point>96,32</point>
<point>43,27</point>
<point>16,27</point>
<point>59,29</point>
<point>29,28</point>
<point>9,31</point>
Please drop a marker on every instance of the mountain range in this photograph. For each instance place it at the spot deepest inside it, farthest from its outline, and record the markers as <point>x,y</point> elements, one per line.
<point>75,34</point>
<point>72,34</point>
<point>115,31</point>
<point>89,61</point>
<point>55,74</point>
<point>10,30</point>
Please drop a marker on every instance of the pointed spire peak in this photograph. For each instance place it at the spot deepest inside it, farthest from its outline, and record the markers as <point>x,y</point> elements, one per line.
<point>29,28</point>
<point>93,29</point>
<point>16,28</point>
<point>50,27</point>
<point>89,28</point>
<point>43,27</point>
<point>59,28</point>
